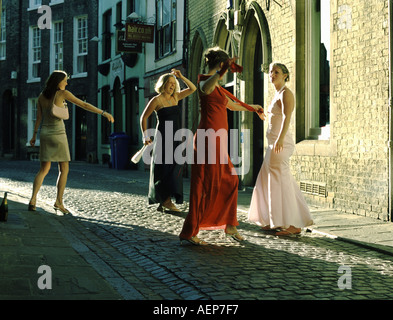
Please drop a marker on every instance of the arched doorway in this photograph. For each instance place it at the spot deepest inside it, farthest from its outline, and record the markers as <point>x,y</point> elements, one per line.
<point>225,40</point>
<point>81,130</point>
<point>198,47</point>
<point>8,123</point>
<point>255,56</point>
<point>118,106</point>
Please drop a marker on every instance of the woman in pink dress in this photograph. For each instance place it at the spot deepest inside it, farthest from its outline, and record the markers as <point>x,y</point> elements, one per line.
<point>277,202</point>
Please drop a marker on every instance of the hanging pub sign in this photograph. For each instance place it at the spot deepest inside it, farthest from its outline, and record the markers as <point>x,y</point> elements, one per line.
<point>139,32</point>
<point>126,46</point>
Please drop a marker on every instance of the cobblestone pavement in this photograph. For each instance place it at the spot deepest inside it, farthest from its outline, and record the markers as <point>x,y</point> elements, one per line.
<point>137,248</point>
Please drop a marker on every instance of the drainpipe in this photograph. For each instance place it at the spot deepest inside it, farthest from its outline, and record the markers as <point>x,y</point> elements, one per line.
<point>185,37</point>
<point>390,145</point>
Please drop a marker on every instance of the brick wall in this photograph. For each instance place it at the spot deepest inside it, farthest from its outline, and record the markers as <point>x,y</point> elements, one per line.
<point>353,163</point>
<point>356,171</point>
<point>361,97</point>
<point>18,22</point>
<point>6,67</point>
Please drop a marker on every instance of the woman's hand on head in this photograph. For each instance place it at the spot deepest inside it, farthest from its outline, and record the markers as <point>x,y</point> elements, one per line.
<point>177,73</point>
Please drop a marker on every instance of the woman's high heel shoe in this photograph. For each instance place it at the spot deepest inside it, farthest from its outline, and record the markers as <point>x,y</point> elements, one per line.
<point>171,207</point>
<point>61,208</point>
<point>167,207</point>
<point>31,207</point>
<point>289,231</point>
<point>235,236</point>
<point>195,241</point>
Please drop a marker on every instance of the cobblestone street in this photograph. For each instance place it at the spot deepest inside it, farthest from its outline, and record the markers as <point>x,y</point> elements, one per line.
<point>137,250</point>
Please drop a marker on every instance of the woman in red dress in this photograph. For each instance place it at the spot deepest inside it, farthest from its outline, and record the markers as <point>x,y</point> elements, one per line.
<point>214,183</point>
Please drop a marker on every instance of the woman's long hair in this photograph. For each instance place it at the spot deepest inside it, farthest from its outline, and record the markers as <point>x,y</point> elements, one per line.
<point>52,83</point>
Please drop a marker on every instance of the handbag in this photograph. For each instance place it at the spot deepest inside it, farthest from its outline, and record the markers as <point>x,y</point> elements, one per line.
<point>59,112</point>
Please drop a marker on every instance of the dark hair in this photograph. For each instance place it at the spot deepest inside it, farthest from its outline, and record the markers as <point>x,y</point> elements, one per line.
<point>52,83</point>
<point>214,56</point>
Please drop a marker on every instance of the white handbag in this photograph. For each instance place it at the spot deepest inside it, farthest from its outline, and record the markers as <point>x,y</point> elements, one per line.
<point>59,112</point>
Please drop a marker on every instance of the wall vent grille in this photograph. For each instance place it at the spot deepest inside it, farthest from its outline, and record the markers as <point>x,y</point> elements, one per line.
<point>315,188</point>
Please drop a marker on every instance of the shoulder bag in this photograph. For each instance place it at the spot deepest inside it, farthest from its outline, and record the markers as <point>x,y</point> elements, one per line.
<point>59,112</point>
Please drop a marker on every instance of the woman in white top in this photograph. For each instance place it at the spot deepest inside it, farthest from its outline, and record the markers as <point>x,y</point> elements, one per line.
<point>277,202</point>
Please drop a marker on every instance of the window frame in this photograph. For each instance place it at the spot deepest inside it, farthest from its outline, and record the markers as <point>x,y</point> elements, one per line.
<point>77,40</point>
<point>31,59</point>
<point>313,130</point>
<point>54,62</point>
<point>166,28</point>
<point>3,34</point>
<point>106,43</point>
<point>33,5</point>
<point>54,2</point>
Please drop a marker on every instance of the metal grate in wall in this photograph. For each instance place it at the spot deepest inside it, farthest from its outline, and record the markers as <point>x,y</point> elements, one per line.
<point>312,187</point>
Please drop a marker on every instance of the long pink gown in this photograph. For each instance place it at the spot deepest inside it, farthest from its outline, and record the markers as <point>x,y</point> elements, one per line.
<point>277,200</point>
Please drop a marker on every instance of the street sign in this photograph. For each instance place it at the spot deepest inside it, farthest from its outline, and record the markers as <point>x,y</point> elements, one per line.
<point>139,32</point>
<point>126,46</point>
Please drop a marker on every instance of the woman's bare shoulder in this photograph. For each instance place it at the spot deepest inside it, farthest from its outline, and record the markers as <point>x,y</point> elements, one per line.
<point>64,93</point>
<point>287,94</point>
<point>42,99</point>
<point>287,91</point>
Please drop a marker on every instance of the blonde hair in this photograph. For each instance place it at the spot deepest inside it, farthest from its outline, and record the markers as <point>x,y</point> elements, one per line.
<point>283,68</point>
<point>162,80</point>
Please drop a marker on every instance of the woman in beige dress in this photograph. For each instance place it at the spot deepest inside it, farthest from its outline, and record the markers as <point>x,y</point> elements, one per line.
<point>53,138</point>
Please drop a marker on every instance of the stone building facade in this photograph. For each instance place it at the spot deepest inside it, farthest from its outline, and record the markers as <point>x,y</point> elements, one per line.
<point>338,55</point>
<point>41,36</point>
<point>120,76</point>
<point>9,59</point>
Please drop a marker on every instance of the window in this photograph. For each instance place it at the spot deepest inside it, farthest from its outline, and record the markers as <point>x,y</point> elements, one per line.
<point>35,54</point>
<point>3,35</point>
<point>53,2</point>
<point>166,27</point>
<point>318,70</point>
<point>34,4</point>
<point>80,45</point>
<point>130,7</point>
<point>107,35</point>
<point>324,71</point>
<point>119,25</point>
<point>105,124</point>
<point>132,122</point>
<point>57,48</point>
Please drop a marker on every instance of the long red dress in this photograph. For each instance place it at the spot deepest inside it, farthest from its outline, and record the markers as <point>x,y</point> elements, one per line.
<point>213,194</point>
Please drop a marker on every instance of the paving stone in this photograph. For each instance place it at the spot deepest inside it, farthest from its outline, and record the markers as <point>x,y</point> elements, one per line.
<point>136,249</point>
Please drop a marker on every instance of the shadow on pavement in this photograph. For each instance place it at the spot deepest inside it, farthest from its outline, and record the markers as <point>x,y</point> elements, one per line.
<point>262,267</point>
